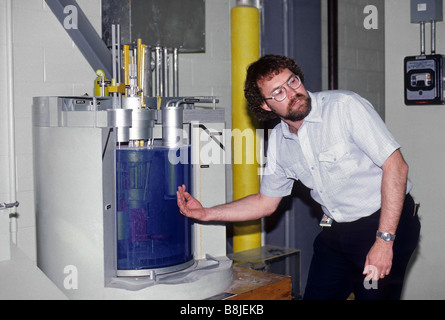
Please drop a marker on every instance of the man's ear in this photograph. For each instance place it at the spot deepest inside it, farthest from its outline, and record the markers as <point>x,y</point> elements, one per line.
<point>264,106</point>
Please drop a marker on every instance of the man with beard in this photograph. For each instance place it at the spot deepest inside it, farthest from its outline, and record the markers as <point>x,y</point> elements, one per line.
<point>336,145</point>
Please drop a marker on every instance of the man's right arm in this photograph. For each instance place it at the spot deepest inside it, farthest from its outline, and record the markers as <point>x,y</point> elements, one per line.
<point>252,207</point>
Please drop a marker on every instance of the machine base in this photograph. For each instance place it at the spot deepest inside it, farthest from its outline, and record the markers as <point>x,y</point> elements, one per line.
<point>189,284</point>
<point>153,273</point>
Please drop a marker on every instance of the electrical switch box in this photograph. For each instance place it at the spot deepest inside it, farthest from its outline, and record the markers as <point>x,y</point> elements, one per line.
<point>424,79</point>
<point>426,10</point>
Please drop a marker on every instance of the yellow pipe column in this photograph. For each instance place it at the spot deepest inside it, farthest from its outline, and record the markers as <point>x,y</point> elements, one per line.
<point>245,48</point>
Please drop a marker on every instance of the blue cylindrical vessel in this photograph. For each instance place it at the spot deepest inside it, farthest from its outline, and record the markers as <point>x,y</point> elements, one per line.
<point>151,233</point>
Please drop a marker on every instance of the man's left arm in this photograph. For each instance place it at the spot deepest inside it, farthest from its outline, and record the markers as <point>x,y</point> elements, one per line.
<point>395,172</point>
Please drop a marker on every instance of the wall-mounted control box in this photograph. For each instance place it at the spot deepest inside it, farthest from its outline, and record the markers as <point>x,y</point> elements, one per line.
<point>426,10</point>
<point>424,82</point>
<point>424,79</point>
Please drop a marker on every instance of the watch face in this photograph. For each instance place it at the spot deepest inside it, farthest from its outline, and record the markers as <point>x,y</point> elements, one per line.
<point>386,236</point>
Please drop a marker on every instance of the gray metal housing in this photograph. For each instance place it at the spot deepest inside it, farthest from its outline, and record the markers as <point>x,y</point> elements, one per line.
<point>74,166</point>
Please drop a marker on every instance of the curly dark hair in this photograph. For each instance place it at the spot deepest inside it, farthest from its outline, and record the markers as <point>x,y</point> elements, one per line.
<point>266,66</point>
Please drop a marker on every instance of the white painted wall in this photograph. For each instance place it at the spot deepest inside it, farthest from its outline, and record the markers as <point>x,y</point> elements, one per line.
<point>421,132</point>
<point>361,51</point>
<point>209,73</point>
<point>46,62</point>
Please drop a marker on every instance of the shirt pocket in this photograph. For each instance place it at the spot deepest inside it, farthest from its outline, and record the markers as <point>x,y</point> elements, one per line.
<point>337,162</point>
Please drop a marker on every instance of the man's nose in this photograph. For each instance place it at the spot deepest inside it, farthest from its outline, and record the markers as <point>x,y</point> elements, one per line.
<point>291,91</point>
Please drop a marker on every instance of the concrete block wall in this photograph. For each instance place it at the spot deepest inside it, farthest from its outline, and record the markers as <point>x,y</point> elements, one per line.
<point>420,131</point>
<point>4,187</point>
<point>361,51</point>
<point>209,73</point>
<point>47,62</point>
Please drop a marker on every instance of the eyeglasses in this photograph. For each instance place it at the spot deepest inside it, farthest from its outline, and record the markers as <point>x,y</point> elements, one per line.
<point>280,93</point>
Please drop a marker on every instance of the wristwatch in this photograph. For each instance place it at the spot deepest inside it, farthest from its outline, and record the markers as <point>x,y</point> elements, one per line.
<point>386,236</point>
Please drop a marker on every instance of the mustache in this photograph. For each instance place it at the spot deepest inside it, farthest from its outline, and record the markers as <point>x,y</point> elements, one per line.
<point>296,97</point>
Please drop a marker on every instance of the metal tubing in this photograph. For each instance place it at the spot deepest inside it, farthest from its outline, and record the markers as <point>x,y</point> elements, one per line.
<point>175,73</point>
<point>118,44</point>
<point>148,73</point>
<point>139,63</point>
<point>113,60</point>
<point>422,38</point>
<point>433,36</point>
<point>126,64</point>
<point>161,73</point>
<point>11,118</point>
<point>113,49</point>
<point>165,73</point>
<point>158,75</point>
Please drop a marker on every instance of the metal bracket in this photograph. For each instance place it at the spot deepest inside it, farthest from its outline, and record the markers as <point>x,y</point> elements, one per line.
<point>8,205</point>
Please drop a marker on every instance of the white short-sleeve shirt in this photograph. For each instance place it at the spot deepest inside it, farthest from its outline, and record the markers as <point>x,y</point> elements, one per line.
<point>338,154</point>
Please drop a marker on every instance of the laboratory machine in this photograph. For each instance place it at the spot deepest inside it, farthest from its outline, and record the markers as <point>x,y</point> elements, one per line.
<point>106,171</point>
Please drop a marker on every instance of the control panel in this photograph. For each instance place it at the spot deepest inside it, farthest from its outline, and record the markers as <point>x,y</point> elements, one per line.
<point>424,79</point>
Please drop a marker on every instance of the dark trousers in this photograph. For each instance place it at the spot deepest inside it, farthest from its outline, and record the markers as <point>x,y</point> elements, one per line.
<point>339,257</point>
